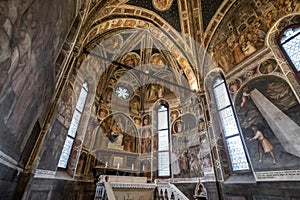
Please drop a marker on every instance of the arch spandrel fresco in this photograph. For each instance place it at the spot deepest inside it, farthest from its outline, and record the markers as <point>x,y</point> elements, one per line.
<point>244,30</point>
<point>162,5</point>
<point>156,34</point>
<point>116,132</point>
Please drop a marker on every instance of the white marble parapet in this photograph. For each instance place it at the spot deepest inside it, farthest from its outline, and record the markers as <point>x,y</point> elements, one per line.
<point>134,185</point>
<point>126,179</point>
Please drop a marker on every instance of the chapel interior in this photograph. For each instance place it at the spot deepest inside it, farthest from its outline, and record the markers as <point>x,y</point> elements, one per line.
<point>150,99</point>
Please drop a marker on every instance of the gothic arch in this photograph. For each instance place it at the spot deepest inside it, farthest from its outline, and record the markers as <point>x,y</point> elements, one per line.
<point>271,41</point>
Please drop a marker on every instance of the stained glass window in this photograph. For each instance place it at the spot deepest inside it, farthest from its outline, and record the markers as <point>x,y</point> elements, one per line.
<point>64,157</point>
<point>228,122</point>
<point>230,127</point>
<point>290,42</point>
<point>236,153</point>
<point>163,141</point>
<point>221,95</point>
<point>163,164</point>
<point>122,92</point>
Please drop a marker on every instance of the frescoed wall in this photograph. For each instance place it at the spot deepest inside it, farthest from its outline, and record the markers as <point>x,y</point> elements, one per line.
<point>116,132</point>
<point>30,38</point>
<point>244,29</point>
<point>190,148</point>
<point>269,114</point>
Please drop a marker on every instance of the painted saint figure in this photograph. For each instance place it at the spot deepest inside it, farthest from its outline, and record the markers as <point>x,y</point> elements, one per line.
<point>246,95</point>
<point>115,138</point>
<point>264,145</point>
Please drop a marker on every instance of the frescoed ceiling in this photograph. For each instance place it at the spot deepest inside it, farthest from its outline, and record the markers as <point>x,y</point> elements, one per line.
<point>209,8</point>
<point>170,13</point>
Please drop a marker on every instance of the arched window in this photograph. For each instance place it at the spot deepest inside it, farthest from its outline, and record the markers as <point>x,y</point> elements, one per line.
<point>163,148</point>
<point>64,157</point>
<point>230,126</point>
<point>289,41</point>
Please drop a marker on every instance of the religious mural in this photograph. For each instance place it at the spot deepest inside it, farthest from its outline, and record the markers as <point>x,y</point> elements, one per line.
<point>135,105</point>
<point>30,40</point>
<point>116,132</point>
<point>113,43</point>
<point>269,114</point>
<point>66,105</point>
<point>268,66</point>
<point>146,141</point>
<point>162,5</point>
<point>244,31</point>
<point>191,151</point>
<point>82,162</point>
<point>157,61</point>
<point>154,92</point>
<point>55,141</point>
<point>115,143</point>
<point>131,59</point>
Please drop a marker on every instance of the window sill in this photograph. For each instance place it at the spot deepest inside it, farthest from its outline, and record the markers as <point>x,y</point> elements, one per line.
<point>240,179</point>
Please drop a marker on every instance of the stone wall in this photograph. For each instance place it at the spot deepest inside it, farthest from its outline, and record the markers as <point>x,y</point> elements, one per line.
<point>262,191</point>
<point>59,189</point>
<point>8,182</point>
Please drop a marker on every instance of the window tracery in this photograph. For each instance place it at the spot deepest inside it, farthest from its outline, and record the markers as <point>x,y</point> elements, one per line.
<point>290,43</point>
<point>230,127</point>
<point>64,157</point>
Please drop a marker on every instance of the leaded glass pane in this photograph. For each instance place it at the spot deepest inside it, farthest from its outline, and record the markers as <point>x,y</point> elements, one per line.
<point>163,140</point>
<point>237,153</point>
<point>74,123</point>
<point>221,96</point>
<point>63,161</point>
<point>122,92</point>
<point>162,108</point>
<point>162,120</point>
<point>228,122</point>
<point>292,48</point>
<point>163,164</point>
<point>218,81</point>
<point>289,33</point>
<point>85,86</point>
<point>81,100</point>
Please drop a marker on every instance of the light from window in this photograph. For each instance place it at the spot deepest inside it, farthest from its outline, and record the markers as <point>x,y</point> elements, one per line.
<point>163,144</point>
<point>291,44</point>
<point>163,164</point>
<point>221,96</point>
<point>236,153</point>
<point>64,157</point>
<point>228,122</point>
<point>230,128</point>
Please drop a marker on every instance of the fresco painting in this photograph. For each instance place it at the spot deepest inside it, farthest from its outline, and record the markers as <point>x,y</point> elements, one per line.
<point>268,152</point>
<point>244,32</point>
<point>162,5</point>
<point>27,62</point>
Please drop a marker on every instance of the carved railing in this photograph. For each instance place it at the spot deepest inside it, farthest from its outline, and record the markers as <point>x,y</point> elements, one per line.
<point>104,190</point>
<point>134,185</point>
<point>100,193</point>
<point>166,191</point>
<point>160,190</point>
